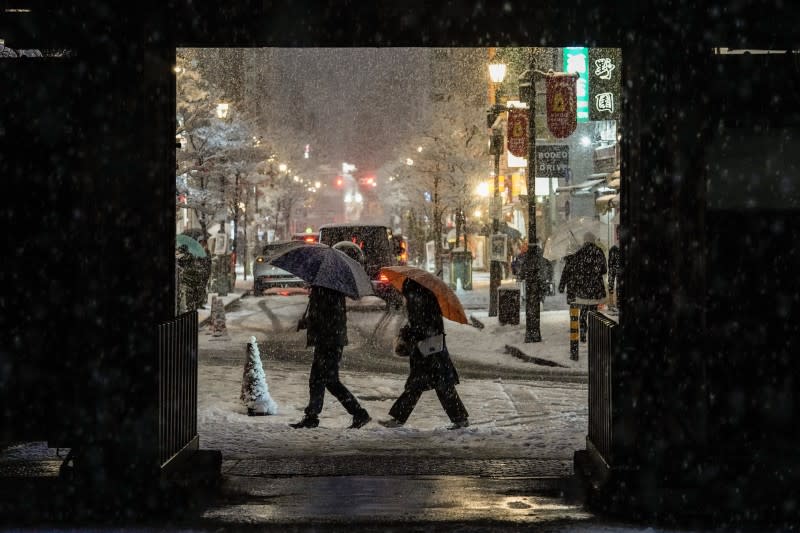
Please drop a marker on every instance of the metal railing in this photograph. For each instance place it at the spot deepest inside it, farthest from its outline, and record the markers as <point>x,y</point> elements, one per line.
<point>602,343</point>
<point>177,386</point>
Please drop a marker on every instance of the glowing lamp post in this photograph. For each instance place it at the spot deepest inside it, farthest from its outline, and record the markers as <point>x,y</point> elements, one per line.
<point>497,72</point>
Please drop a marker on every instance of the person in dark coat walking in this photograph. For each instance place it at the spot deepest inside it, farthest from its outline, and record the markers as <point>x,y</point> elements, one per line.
<point>583,278</point>
<point>434,371</point>
<point>326,322</point>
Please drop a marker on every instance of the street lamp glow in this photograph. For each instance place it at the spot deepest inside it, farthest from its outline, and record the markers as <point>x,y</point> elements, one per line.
<point>483,189</point>
<point>296,178</point>
<point>222,109</point>
<point>282,167</point>
<point>409,161</point>
<point>497,72</point>
<point>419,148</point>
<point>478,213</point>
<point>317,184</point>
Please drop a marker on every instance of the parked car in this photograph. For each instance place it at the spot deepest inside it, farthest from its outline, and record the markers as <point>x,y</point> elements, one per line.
<point>379,249</point>
<point>306,237</point>
<point>266,276</point>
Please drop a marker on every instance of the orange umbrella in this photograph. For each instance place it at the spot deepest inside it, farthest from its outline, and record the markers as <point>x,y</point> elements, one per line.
<point>448,301</point>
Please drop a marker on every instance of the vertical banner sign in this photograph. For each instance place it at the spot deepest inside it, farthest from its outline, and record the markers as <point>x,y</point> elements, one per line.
<point>576,59</point>
<point>605,85</point>
<point>517,133</point>
<point>561,114</point>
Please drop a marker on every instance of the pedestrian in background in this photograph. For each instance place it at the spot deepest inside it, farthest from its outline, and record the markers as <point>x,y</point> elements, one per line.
<point>518,263</point>
<point>583,279</point>
<point>326,323</point>
<point>426,370</point>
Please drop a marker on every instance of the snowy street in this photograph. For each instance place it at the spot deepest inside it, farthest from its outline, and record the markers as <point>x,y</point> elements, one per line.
<point>508,419</point>
<point>517,409</point>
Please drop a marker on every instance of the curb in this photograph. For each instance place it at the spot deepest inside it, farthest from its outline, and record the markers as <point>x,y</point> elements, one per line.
<point>519,354</point>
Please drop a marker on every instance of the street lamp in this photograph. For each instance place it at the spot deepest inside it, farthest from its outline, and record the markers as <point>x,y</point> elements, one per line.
<point>527,93</point>
<point>497,72</point>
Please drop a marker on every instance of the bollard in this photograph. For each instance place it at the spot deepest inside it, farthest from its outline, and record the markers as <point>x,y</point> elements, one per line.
<point>574,317</point>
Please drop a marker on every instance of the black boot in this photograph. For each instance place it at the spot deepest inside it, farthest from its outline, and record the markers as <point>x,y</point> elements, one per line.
<point>458,424</point>
<point>360,419</point>
<point>306,422</point>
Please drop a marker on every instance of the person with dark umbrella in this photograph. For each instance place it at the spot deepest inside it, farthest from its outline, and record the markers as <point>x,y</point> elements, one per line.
<point>326,323</point>
<point>429,371</point>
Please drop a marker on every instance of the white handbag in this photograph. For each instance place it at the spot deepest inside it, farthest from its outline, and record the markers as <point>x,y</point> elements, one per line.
<point>431,345</point>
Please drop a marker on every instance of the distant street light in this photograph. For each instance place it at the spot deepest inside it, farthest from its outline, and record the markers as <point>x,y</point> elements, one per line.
<point>409,161</point>
<point>283,167</point>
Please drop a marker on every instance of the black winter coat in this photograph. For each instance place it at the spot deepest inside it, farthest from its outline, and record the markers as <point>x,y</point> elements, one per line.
<point>327,318</point>
<point>584,273</point>
<point>425,320</point>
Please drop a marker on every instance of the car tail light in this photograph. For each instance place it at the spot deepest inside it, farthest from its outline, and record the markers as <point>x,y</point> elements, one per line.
<point>384,278</point>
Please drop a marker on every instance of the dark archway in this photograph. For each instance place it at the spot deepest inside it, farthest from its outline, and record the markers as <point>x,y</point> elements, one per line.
<point>96,185</point>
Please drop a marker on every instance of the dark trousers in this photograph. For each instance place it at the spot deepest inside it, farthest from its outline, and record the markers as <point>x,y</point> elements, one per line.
<point>448,397</point>
<point>583,325</point>
<point>325,375</point>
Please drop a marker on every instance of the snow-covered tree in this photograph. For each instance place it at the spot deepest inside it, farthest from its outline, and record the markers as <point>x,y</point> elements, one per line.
<point>255,392</point>
<point>202,136</point>
<point>441,166</point>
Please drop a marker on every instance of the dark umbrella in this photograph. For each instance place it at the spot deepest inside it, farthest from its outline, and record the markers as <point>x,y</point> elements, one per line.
<point>323,266</point>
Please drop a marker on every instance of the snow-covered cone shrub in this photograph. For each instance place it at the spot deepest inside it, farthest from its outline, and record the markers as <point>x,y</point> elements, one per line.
<point>255,393</point>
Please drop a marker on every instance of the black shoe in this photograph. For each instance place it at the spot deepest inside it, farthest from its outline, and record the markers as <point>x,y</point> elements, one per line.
<point>306,422</point>
<point>391,423</point>
<point>360,420</point>
<point>458,424</point>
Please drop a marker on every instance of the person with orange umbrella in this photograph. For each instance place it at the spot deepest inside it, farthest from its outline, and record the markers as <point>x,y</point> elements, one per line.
<point>422,341</point>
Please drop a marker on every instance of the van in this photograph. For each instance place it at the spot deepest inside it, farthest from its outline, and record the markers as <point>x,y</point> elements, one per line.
<point>379,247</point>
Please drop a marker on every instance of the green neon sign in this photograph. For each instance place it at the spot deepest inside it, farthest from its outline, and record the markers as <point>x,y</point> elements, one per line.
<point>576,59</point>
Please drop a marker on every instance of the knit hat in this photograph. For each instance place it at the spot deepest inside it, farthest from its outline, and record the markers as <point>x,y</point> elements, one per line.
<point>589,237</point>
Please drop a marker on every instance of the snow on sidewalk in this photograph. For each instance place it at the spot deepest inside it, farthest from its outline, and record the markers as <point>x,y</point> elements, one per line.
<point>509,419</point>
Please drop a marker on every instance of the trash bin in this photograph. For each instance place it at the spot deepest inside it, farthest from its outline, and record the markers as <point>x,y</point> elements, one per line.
<point>508,305</point>
<point>461,268</point>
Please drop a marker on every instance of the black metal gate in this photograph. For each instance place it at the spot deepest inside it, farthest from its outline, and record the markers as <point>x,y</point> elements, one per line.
<point>177,387</point>
<point>602,343</point>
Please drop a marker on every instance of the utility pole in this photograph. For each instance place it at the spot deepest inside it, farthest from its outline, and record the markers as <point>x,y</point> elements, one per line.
<point>527,93</point>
